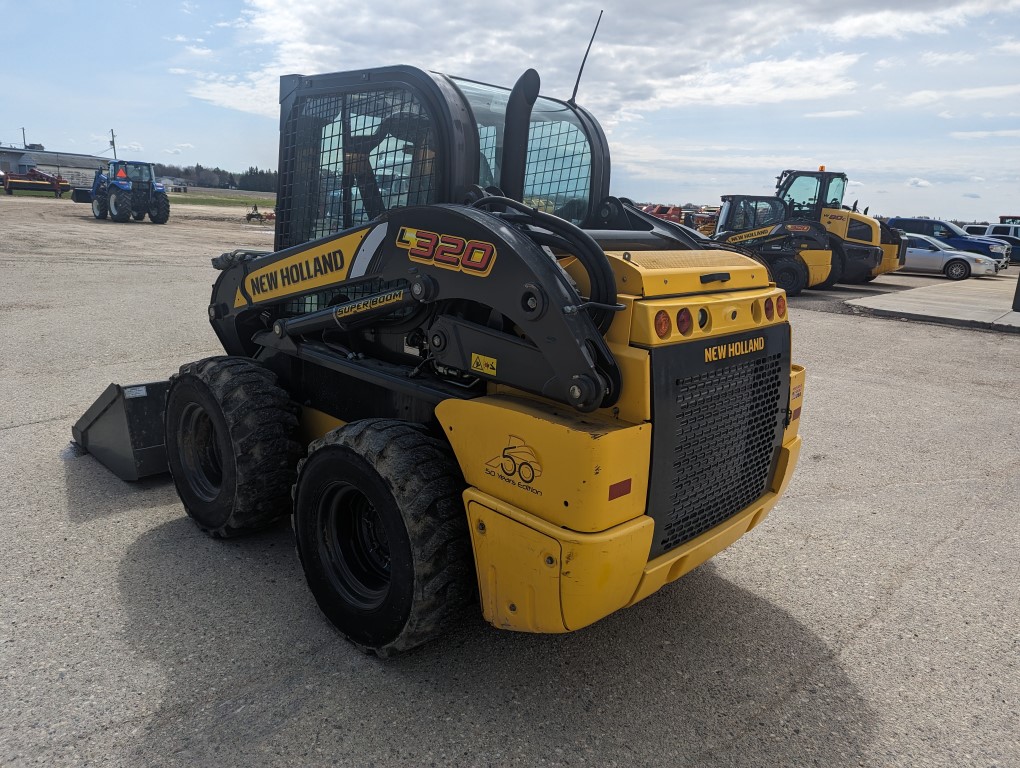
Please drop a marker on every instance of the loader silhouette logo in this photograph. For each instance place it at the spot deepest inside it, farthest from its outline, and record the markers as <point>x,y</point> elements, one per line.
<point>517,461</point>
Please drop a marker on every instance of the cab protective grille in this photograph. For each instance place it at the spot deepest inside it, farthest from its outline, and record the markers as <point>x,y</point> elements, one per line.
<point>716,438</point>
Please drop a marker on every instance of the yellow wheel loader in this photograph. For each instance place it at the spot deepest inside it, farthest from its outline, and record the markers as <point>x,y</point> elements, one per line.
<point>460,397</point>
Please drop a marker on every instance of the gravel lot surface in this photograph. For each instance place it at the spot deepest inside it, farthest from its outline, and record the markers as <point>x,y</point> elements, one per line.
<point>871,620</point>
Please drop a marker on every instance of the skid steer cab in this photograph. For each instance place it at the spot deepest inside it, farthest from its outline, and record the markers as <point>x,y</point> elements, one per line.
<point>126,190</point>
<point>470,374</point>
<point>796,250</point>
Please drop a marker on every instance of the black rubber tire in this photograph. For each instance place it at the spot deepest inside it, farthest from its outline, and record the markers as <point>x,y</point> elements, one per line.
<point>119,203</point>
<point>159,210</point>
<point>138,215</point>
<point>229,442</point>
<point>99,207</point>
<point>790,274</point>
<point>867,278</point>
<point>957,269</point>
<point>382,534</point>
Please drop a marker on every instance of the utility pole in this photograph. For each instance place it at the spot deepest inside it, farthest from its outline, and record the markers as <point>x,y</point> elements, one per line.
<point>113,143</point>
<point>24,142</point>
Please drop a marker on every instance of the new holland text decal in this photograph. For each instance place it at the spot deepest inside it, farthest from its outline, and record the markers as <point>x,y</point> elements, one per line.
<point>749,235</point>
<point>303,272</point>
<point>734,349</point>
<point>517,465</point>
<point>472,257</point>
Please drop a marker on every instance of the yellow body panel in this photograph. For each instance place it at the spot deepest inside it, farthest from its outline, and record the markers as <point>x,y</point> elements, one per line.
<point>890,260</point>
<point>727,314</point>
<point>583,472</point>
<point>535,577</point>
<point>818,263</point>
<point>669,273</point>
<point>313,424</point>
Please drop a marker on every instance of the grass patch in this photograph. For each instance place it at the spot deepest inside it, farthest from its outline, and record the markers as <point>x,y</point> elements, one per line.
<point>188,198</point>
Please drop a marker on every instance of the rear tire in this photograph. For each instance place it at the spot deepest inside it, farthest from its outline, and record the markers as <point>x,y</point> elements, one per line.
<point>99,206</point>
<point>138,215</point>
<point>229,444</point>
<point>159,211</point>
<point>790,274</point>
<point>382,534</point>
<point>119,203</point>
<point>957,269</point>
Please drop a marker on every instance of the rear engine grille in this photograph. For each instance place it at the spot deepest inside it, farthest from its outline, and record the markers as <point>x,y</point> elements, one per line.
<point>719,432</point>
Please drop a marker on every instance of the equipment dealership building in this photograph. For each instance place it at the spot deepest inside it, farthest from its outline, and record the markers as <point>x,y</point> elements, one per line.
<point>77,169</point>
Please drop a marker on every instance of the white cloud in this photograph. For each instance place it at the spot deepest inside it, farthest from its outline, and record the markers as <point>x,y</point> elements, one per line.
<point>995,92</point>
<point>836,113</point>
<point>1008,47</point>
<point>196,50</point>
<point>972,195</point>
<point>915,182</point>
<point>935,59</point>
<point>858,22</point>
<point>1011,133</point>
<point>132,146</point>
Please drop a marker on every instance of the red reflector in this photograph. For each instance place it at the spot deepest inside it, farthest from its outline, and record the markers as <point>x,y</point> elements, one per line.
<point>663,325</point>
<point>769,311</point>
<point>781,305</point>
<point>796,414</point>
<point>684,321</point>
<point>622,488</point>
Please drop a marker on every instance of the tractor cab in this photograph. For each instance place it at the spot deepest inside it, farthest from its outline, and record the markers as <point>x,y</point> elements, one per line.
<point>807,193</point>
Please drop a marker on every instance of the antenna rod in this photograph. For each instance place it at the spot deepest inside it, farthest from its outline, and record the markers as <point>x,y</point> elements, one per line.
<point>577,82</point>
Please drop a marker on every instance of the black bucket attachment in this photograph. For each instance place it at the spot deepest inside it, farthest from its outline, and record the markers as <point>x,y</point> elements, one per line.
<point>81,195</point>
<point>124,430</point>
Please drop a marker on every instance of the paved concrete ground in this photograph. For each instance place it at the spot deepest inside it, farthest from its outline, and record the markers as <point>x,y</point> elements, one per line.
<point>979,302</point>
<point>871,620</point>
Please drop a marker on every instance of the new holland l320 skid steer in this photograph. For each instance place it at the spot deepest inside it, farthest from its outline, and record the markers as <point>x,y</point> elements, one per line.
<point>466,369</point>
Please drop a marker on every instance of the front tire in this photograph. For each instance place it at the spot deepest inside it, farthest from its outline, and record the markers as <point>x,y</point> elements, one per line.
<point>229,444</point>
<point>99,207</point>
<point>957,269</point>
<point>159,211</point>
<point>382,533</point>
<point>790,274</point>
<point>119,202</point>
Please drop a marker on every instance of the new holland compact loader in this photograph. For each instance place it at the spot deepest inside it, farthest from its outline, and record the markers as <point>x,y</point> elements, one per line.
<point>554,408</point>
<point>796,250</point>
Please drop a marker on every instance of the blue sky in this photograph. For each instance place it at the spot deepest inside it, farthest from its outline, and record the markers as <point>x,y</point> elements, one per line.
<point>918,102</point>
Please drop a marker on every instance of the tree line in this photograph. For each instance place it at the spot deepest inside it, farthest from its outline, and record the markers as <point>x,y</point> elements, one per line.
<point>254,179</point>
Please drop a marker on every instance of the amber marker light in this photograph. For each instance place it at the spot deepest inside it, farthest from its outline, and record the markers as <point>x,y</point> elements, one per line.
<point>770,311</point>
<point>781,306</point>
<point>663,325</point>
<point>684,321</point>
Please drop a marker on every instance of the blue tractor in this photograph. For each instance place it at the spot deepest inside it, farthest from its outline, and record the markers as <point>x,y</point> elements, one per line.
<point>127,189</point>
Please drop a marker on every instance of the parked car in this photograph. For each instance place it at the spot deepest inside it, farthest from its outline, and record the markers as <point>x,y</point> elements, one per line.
<point>1007,233</point>
<point>926,254</point>
<point>955,237</point>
